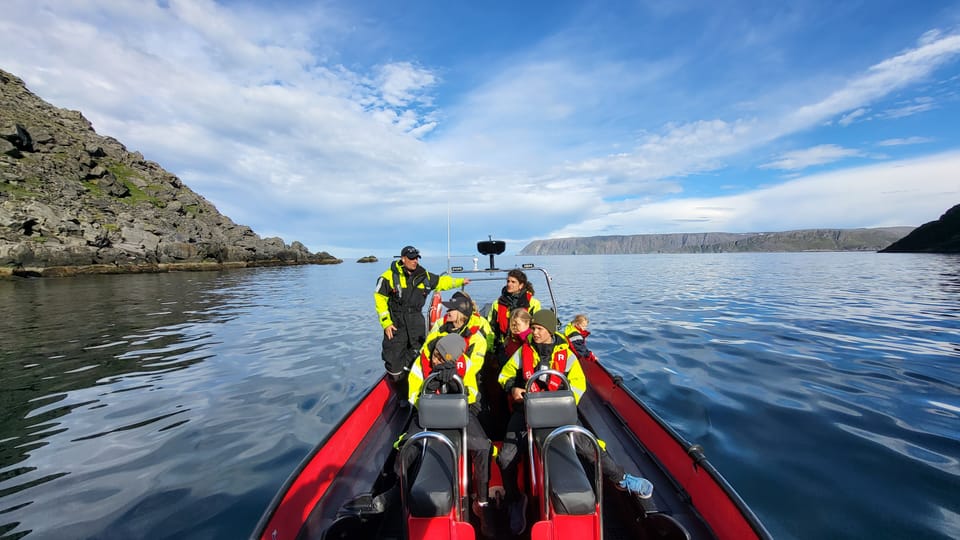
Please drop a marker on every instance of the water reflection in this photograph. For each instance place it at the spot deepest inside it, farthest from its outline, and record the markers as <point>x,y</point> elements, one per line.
<point>50,347</point>
<point>173,406</point>
<point>124,392</point>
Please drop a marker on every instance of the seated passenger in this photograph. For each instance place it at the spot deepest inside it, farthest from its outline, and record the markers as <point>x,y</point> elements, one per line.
<point>462,319</point>
<point>577,333</point>
<point>483,325</point>
<point>518,293</point>
<point>519,332</point>
<point>458,346</point>
<point>547,349</point>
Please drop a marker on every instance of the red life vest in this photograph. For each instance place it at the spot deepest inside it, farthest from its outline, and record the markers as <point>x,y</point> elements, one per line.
<point>557,362</point>
<point>427,367</point>
<point>503,314</point>
<point>569,332</point>
<point>471,330</point>
<point>513,343</point>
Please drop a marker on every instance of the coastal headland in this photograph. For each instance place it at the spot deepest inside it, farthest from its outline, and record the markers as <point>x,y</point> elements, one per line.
<point>75,202</point>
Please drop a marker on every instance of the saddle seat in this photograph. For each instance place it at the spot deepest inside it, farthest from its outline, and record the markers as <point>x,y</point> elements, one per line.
<point>434,481</point>
<point>571,490</point>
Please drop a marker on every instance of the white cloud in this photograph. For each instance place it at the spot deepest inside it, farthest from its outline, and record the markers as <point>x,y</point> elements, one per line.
<point>402,83</point>
<point>257,109</point>
<point>852,116</point>
<point>902,141</point>
<point>817,155</point>
<point>918,105</point>
<point>909,192</point>
<point>880,80</point>
<point>688,148</point>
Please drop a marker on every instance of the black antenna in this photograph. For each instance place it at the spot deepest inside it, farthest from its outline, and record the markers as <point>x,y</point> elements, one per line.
<point>491,247</point>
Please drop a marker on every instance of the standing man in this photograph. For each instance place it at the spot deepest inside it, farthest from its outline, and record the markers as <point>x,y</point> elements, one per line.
<point>400,294</point>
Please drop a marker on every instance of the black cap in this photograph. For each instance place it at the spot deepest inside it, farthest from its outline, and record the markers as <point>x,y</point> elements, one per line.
<point>460,302</point>
<point>410,252</point>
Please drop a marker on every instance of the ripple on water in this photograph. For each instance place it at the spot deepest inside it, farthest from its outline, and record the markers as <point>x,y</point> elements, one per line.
<point>176,405</point>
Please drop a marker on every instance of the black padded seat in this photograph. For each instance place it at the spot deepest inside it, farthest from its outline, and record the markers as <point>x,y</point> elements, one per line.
<point>443,411</point>
<point>432,492</point>
<point>550,409</point>
<point>571,490</point>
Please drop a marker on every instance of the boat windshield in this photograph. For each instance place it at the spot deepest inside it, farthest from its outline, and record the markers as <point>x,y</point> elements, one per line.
<point>486,285</point>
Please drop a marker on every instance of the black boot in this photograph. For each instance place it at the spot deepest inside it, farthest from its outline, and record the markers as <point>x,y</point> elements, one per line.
<point>400,388</point>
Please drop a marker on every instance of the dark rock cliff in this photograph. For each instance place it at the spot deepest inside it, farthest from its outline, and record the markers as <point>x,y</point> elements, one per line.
<point>940,236</point>
<point>801,240</point>
<point>72,201</point>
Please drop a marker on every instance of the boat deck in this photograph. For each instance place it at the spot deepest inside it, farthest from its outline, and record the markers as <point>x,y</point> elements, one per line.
<point>623,516</point>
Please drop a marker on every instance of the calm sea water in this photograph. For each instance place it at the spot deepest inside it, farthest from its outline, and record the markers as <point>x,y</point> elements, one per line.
<point>824,386</point>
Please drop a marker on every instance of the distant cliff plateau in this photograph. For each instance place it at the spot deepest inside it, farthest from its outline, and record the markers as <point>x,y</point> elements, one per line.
<point>75,202</point>
<point>801,240</point>
<point>938,236</point>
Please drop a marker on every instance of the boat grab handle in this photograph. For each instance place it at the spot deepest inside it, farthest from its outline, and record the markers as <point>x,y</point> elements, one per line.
<point>425,436</point>
<point>455,378</point>
<point>538,374</point>
<point>572,431</point>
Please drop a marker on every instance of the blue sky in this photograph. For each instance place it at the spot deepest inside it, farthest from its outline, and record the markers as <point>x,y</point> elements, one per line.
<point>357,127</point>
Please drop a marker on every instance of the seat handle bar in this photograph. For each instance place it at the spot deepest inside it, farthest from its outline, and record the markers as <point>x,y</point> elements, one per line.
<point>572,431</point>
<point>426,436</point>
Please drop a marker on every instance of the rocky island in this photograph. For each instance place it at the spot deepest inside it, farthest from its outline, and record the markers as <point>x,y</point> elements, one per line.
<point>938,236</point>
<point>75,202</point>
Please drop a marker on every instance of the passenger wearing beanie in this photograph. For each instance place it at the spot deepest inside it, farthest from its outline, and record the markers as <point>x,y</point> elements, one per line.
<point>546,349</point>
<point>461,320</point>
<point>458,346</point>
<point>399,298</point>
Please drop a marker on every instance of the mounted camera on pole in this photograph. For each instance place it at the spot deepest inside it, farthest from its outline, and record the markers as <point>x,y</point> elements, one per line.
<point>491,247</point>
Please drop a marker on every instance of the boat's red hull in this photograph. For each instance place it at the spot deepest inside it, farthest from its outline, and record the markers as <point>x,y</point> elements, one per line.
<point>302,492</point>
<point>349,460</point>
<point>716,502</point>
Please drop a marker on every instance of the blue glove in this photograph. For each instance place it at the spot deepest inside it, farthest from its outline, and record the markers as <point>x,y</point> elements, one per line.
<point>641,487</point>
